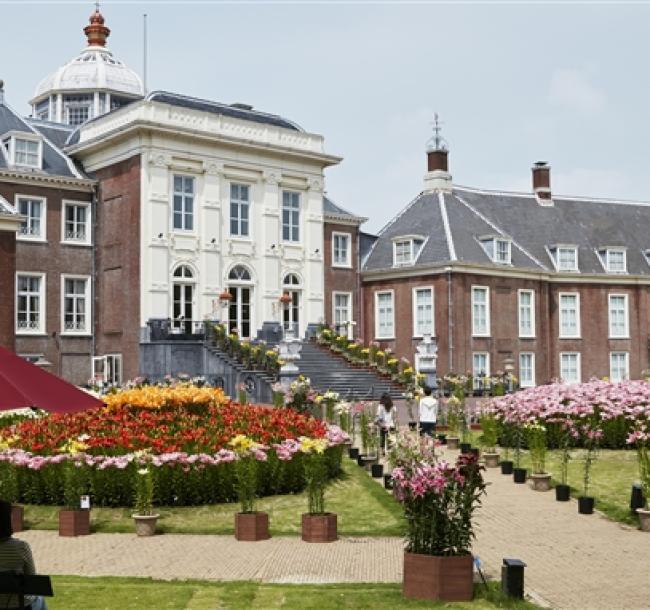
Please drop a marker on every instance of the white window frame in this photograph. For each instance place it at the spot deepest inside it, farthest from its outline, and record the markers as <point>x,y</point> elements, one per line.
<point>414,295</point>
<point>478,332</point>
<point>184,214</point>
<point>495,251</point>
<point>410,259</point>
<point>11,139</point>
<point>87,330</point>
<point>626,374</point>
<point>626,332</point>
<point>574,249</point>
<point>42,304</point>
<point>240,204</point>
<point>476,374</point>
<point>291,210</point>
<point>562,334</point>
<point>578,366</point>
<point>347,263</point>
<point>349,308</point>
<point>532,333</point>
<point>43,200</point>
<point>65,203</point>
<point>104,360</point>
<point>392,297</point>
<point>608,253</point>
<point>527,383</point>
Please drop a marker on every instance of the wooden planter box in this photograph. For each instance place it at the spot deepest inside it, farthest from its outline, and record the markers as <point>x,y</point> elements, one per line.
<point>17,518</point>
<point>74,522</point>
<point>319,528</point>
<point>438,578</point>
<point>251,527</point>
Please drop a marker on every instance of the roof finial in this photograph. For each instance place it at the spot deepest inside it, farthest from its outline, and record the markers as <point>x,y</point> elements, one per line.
<point>436,142</point>
<point>96,32</point>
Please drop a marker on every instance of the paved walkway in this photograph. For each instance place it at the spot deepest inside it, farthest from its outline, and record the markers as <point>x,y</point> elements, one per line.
<point>575,562</point>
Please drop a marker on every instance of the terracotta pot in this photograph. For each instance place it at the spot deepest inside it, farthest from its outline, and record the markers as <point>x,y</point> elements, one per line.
<point>453,442</point>
<point>17,518</point>
<point>491,460</point>
<point>541,482</point>
<point>644,519</point>
<point>319,528</point>
<point>251,527</point>
<point>74,522</point>
<point>562,493</point>
<point>145,525</point>
<point>434,578</point>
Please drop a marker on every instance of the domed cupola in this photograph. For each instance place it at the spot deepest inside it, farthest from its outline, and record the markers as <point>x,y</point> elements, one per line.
<point>90,85</point>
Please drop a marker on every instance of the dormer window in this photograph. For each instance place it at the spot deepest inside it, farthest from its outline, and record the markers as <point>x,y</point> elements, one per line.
<point>406,250</point>
<point>499,249</point>
<point>566,258</point>
<point>23,149</point>
<point>615,260</point>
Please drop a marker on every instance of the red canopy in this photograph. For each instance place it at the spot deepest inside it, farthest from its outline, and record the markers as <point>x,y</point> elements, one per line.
<point>22,384</point>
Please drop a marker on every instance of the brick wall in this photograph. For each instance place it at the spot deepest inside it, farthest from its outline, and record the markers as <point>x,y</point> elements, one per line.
<point>342,279</point>
<point>70,356</point>
<point>7,288</point>
<point>504,341</point>
<point>117,303</point>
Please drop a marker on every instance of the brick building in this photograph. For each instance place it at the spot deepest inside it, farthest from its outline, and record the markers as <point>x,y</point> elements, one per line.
<point>560,285</point>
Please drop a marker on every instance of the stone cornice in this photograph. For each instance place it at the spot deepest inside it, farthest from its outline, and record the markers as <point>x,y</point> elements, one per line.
<point>47,181</point>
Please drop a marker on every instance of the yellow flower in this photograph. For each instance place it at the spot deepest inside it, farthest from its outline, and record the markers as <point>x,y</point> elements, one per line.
<point>312,445</point>
<point>73,446</point>
<point>156,397</point>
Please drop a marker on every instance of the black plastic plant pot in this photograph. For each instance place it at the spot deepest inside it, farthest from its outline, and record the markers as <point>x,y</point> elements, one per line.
<point>585,505</point>
<point>442,438</point>
<point>388,481</point>
<point>506,467</point>
<point>562,493</point>
<point>519,475</point>
<point>361,461</point>
<point>465,447</point>
<point>377,471</point>
<point>353,452</point>
<point>413,425</point>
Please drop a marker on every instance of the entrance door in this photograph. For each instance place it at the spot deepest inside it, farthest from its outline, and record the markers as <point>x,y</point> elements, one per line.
<point>239,312</point>
<point>342,313</point>
<point>292,312</point>
<point>183,299</point>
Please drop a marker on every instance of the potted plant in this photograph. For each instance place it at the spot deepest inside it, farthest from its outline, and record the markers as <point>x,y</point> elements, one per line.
<point>518,473</point>
<point>562,489</point>
<point>489,440</point>
<point>453,421</point>
<point>536,436</point>
<point>591,435</point>
<point>640,438</point>
<point>368,438</point>
<point>144,517</point>
<point>74,520</point>
<point>9,492</point>
<point>438,564</point>
<point>250,525</point>
<point>317,525</point>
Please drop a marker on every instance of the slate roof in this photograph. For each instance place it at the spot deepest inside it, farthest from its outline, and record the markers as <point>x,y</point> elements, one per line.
<point>57,133</point>
<point>331,209</point>
<point>55,161</point>
<point>230,110</point>
<point>590,224</point>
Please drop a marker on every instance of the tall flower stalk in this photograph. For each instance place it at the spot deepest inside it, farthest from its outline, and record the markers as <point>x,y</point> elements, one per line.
<point>536,437</point>
<point>315,468</point>
<point>247,453</point>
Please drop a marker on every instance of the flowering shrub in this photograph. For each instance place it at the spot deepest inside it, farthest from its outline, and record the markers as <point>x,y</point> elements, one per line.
<point>247,453</point>
<point>315,472</point>
<point>300,394</point>
<point>439,501</point>
<point>144,483</point>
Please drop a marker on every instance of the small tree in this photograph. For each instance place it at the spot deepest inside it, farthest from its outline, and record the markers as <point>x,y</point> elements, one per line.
<point>143,490</point>
<point>247,453</point>
<point>315,469</point>
<point>536,437</point>
<point>489,436</point>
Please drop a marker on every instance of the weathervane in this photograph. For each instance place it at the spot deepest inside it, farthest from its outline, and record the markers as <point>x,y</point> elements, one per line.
<point>436,142</point>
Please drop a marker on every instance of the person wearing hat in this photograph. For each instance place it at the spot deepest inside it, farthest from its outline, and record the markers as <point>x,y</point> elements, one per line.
<point>15,555</point>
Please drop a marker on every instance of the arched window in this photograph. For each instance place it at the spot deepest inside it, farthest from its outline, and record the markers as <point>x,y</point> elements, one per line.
<point>291,279</point>
<point>239,273</point>
<point>183,272</point>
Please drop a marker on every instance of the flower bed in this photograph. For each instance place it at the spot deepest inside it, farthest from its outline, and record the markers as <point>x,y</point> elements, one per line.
<point>183,432</point>
<point>612,411</point>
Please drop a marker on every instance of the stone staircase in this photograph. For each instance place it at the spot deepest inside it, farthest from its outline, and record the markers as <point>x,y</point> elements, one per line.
<point>329,372</point>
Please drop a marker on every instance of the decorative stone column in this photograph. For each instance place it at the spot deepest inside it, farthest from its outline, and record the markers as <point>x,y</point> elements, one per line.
<point>427,358</point>
<point>289,352</point>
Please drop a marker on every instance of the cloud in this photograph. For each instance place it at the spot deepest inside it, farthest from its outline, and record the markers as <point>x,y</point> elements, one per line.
<point>572,90</point>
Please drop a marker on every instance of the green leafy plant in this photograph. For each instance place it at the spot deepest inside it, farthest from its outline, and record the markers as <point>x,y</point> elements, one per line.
<point>9,490</point>
<point>536,437</point>
<point>143,490</point>
<point>489,427</point>
<point>75,483</point>
<point>315,468</point>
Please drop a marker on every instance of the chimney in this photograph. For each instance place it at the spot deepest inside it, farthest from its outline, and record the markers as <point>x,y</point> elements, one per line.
<point>542,180</point>
<point>437,177</point>
<point>2,92</point>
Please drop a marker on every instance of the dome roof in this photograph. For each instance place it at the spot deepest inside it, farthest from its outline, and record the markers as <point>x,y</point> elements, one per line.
<point>94,69</point>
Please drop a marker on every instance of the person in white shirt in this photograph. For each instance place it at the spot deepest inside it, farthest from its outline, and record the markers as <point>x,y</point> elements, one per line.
<point>428,413</point>
<point>385,419</point>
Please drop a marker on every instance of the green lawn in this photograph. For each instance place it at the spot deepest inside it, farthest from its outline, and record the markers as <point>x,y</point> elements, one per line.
<point>79,593</point>
<point>613,474</point>
<point>363,508</point>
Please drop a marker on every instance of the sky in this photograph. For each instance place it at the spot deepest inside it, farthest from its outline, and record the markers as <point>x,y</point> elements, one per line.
<point>513,83</point>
